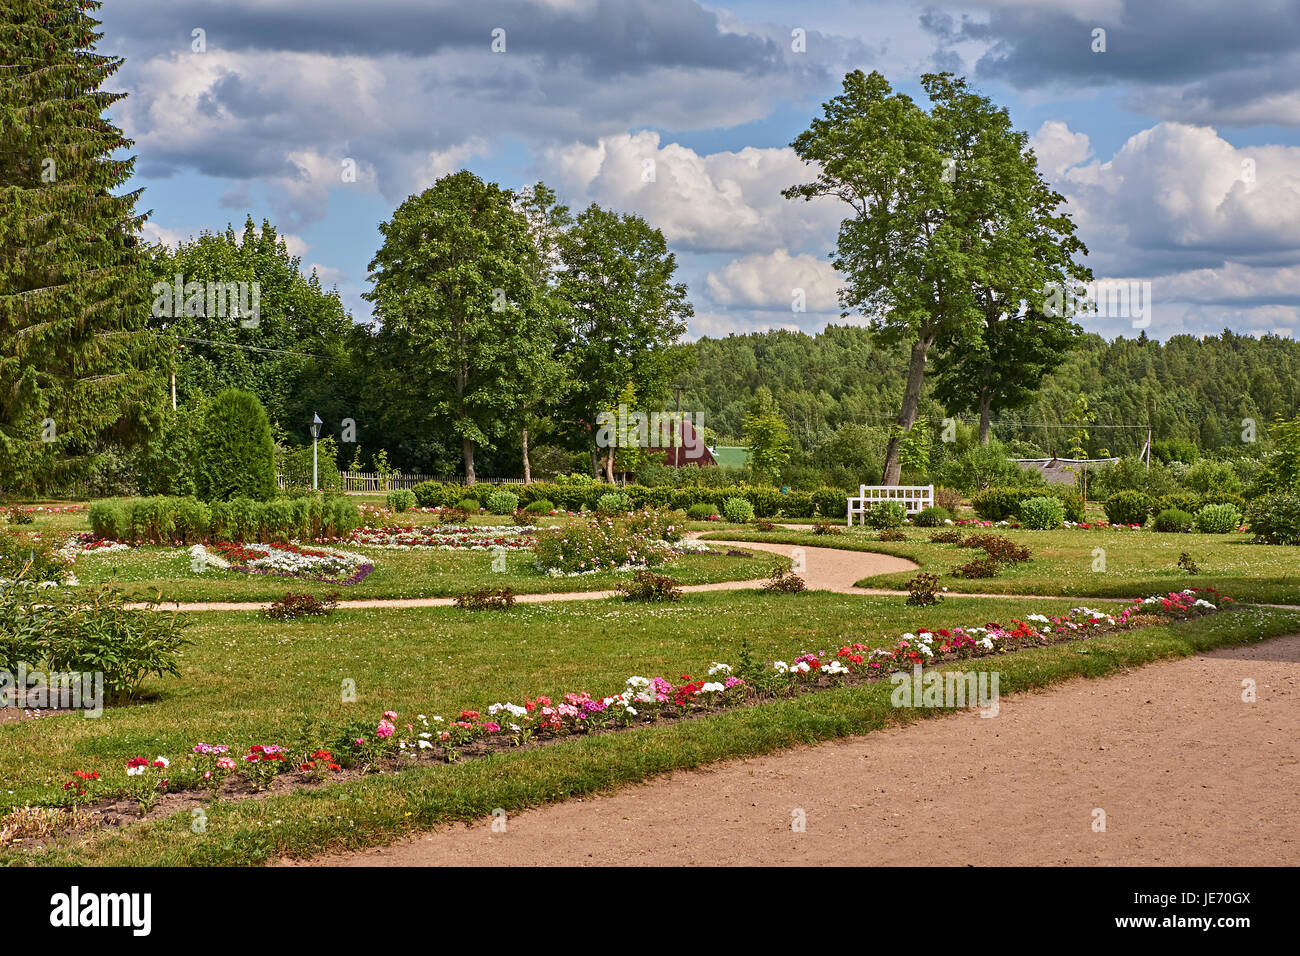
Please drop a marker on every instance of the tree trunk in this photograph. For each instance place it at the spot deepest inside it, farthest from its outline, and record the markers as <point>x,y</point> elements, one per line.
<point>609,466</point>
<point>986,411</point>
<point>907,413</point>
<point>528,471</point>
<point>595,463</point>
<point>468,447</point>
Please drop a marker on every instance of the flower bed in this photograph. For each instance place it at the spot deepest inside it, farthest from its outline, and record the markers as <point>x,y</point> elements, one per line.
<point>449,538</point>
<point>642,701</point>
<point>283,560</point>
<point>611,543</point>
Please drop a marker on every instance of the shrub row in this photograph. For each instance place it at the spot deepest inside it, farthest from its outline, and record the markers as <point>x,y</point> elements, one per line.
<point>1003,504</point>
<point>169,520</point>
<point>1134,507</point>
<point>767,502</point>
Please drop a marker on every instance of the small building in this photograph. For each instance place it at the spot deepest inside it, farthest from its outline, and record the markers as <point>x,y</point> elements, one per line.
<point>1063,471</point>
<point>690,450</point>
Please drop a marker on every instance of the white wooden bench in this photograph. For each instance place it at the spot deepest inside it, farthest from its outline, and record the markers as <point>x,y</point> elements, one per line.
<point>911,497</point>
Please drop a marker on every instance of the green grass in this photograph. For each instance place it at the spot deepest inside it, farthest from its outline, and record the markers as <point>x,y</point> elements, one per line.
<point>1137,563</point>
<point>166,574</point>
<point>378,809</point>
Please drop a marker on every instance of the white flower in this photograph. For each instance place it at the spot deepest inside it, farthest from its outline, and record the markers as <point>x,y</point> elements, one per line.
<point>164,761</point>
<point>712,687</point>
<point>719,669</point>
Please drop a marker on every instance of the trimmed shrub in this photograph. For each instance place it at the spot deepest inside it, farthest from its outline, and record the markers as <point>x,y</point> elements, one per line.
<point>188,520</point>
<point>1128,507</point>
<point>931,517</point>
<point>999,504</point>
<point>1179,501</point>
<point>1173,520</point>
<point>738,511</point>
<point>701,512</point>
<point>235,456</point>
<point>502,502</point>
<point>885,514</point>
<point>470,505</point>
<point>1218,519</point>
<point>1072,501</point>
<point>400,499</point>
<point>541,506</point>
<point>1042,513</point>
<point>107,519</point>
<point>648,586</point>
<point>1275,519</point>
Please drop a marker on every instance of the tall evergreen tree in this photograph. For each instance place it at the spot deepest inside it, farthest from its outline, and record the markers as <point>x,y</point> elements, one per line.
<point>72,295</point>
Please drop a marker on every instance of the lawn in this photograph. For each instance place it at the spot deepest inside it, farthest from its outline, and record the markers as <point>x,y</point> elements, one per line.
<point>1129,563</point>
<point>245,681</point>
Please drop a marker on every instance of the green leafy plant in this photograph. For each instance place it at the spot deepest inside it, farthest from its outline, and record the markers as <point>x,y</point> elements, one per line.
<point>234,450</point>
<point>613,502</point>
<point>885,514</point>
<point>1187,564</point>
<point>19,515</point>
<point>1042,513</point>
<point>976,568</point>
<point>923,590</point>
<point>1173,520</point>
<point>469,505</point>
<point>702,511</point>
<point>1218,519</point>
<point>400,500</point>
<point>293,606</point>
<point>645,585</point>
<point>1128,507</point>
<point>541,506</point>
<point>931,517</point>
<point>738,511</point>
<point>502,502</point>
<point>784,581</point>
<point>1275,519</point>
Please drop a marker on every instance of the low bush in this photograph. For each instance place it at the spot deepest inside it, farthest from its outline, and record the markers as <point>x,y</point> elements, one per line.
<point>885,514</point>
<point>1128,507</point>
<point>1173,520</point>
<point>949,499</point>
<point>976,568</point>
<point>702,511</point>
<point>1042,513</point>
<point>645,585</point>
<point>1177,501</point>
<point>1218,519</point>
<point>1275,519</point>
<point>469,505</point>
<point>1000,504</point>
<point>1186,563</point>
<point>539,507</point>
<point>54,629</point>
<point>931,517</point>
<point>400,500</point>
<point>784,581</point>
<point>607,543</point>
<point>168,520</point>
<point>923,590</point>
<point>738,511</point>
<point>892,534</point>
<point>31,558</point>
<point>947,536</point>
<point>293,606</point>
<point>502,502</point>
<point>19,515</point>
<point>999,548</point>
<point>486,599</point>
<point>825,528</point>
<point>1073,503</point>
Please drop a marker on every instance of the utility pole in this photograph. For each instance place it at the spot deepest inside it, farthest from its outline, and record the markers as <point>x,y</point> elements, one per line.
<point>677,442</point>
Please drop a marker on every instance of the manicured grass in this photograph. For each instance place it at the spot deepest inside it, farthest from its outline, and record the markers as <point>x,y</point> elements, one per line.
<point>377,809</point>
<point>247,680</point>
<point>1137,563</point>
<point>166,574</point>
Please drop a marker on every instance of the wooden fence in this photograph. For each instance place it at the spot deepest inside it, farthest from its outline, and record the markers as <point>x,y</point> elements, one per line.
<point>367,482</point>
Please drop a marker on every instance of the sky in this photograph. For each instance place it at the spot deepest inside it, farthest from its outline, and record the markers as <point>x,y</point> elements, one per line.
<point>1177,144</point>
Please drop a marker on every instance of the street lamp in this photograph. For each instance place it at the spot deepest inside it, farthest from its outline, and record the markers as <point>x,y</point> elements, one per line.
<point>315,433</point>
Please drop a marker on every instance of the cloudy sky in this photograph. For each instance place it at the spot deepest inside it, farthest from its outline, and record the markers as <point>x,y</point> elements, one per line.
<point>1178,146</point>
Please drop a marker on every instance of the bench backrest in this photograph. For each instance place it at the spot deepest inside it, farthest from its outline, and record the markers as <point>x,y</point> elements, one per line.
<point>912,497</point>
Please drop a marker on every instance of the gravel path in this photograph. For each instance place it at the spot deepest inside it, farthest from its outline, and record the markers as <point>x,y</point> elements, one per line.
<point>1185,771</point>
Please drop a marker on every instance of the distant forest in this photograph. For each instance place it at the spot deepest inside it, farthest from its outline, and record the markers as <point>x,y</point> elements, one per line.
<point>1188,389</point>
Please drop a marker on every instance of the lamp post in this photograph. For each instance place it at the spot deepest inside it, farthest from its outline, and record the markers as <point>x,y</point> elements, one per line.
<point>315,433</point>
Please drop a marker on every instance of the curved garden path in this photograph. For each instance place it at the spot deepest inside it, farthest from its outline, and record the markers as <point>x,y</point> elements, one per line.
<point>1187,774</point>
<point>825,569</point>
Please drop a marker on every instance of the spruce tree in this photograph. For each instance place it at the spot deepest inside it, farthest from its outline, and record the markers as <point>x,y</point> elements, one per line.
<point>77,371</point>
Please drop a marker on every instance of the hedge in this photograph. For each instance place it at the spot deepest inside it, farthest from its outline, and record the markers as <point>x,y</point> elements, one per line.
<point>768,502</point>
<point>167,520</point>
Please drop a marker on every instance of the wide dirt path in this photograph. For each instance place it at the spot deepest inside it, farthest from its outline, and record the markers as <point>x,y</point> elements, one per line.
<point>824,569</point>
<point>1186,772</point>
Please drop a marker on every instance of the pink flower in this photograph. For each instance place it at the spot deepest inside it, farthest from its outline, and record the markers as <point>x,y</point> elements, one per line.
<point>385,729</point>
<point>225,763</point>
<point>390,715</point>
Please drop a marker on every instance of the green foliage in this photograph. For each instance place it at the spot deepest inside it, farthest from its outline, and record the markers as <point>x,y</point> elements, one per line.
<point>885,514</point>
<point>1128,507</point>
<point>603,543</point>
<point>1072,502</point>
<point>972,467</point>
<point>1275,519</point>
<point>1218,519</point>
<point>165,520</point>
<point>502,502</point>
<point>235,453</point>
<point>400,500</point>
<point>30,557</point>
<point>613,502</point>
<point>767,436</point>
<point>1175,449</point>
<point>923,590</point>
<point>999,504</point>
<point>1042,513</point>
<point>702,511</point>
<point>472,505</point>
<point>79,375</point>
<point>486,599</point>
<point>1177,501</point>
<point>738,510</point>
<point>541,506</point>
<point>931,517</point>
<point>1208,476</point>
<point>650,587</point>
<point>60,630</point>
<point>1173,520</point>
<point>1282,466</point>
<point>295,465</point>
